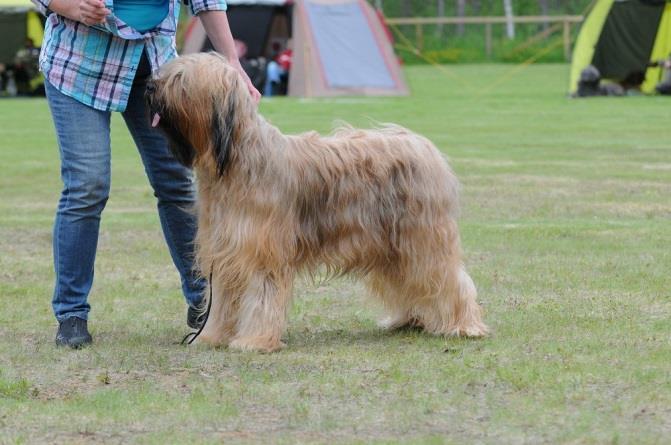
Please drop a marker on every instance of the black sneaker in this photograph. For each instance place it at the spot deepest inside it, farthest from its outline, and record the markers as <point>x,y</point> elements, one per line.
<point>195,316</point>
<point>73,332</point>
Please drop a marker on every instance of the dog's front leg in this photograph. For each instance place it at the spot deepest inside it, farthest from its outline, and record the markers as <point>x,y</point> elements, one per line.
<point>220,324</point>
<point>262,312</point>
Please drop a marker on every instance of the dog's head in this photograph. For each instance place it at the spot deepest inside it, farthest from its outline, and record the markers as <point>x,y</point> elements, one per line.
<point>202,105</point>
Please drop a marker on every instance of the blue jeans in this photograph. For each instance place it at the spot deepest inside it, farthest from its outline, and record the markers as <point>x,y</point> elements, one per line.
<point>83,135</point>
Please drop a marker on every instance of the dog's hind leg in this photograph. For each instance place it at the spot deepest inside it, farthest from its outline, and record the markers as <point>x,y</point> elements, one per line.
<point>452,308</point>
<point>398,312</point>
<point>456,311</point>
<point>262,313</point>
<point>440,306</point>
<point>431,290</point>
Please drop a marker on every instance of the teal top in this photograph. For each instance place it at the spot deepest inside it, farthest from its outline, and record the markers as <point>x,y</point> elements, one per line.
<point>141,15</point>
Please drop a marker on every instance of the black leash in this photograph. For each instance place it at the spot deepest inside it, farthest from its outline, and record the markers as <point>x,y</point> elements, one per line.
<point>192,336</point>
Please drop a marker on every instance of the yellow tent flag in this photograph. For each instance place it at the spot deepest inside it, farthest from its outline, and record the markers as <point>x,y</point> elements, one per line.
<point>16,4</point>
<point>661,50</point>
<point>35,30</point>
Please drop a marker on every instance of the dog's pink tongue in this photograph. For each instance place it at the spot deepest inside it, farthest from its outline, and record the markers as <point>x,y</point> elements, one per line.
<point>154,121</point>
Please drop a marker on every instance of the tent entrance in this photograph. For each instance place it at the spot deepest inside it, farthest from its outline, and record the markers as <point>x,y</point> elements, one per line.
<point>623,51</point>
<point>265,29</point>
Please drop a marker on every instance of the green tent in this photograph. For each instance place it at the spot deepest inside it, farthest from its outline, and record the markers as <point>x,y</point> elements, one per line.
<point>18,20</point>
<point>620,38</point>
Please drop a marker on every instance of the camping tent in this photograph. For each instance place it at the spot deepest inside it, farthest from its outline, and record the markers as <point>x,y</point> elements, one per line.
<point>620,38</point>
<point>340,47</point>
<point>18,20</point>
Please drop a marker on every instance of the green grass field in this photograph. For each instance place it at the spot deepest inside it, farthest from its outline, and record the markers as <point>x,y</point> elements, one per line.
<point>566,226</point>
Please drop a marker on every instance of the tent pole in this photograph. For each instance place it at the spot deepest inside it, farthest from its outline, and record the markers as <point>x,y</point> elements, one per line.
<point>510,23</point>
<point>567,40</point>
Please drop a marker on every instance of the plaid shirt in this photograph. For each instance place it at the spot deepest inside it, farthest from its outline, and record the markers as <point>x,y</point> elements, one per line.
<point>96,64</point>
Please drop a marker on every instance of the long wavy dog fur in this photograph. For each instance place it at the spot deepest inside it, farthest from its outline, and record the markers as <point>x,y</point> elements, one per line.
<point>379,204</point>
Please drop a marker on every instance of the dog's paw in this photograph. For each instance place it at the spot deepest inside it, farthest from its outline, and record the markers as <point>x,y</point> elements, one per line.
<point>257,344</point>
<point>212,339</point>
<point>476,330</point>
<point>399,323</point>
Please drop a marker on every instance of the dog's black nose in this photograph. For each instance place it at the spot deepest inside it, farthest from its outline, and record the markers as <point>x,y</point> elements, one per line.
<point>151,86</point>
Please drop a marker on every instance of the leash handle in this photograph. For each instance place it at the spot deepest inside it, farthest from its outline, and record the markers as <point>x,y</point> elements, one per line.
<point>192,336</point>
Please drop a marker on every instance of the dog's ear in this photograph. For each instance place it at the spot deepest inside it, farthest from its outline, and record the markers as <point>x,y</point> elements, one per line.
<point>223,133</point>
<point>179,145</point>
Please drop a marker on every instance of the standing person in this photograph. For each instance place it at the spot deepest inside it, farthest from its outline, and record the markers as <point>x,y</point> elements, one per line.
<point>664,87</point>
<point>278,70</point>
<point>96,58</point>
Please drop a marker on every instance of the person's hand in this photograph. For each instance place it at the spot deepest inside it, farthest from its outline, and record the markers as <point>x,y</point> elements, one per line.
<point>91,12</point>
<point>256,94</point>
<point>88,12</point>
<point>253,92</point>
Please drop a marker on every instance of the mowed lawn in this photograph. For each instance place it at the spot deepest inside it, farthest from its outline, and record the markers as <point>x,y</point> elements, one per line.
<point>566,226</point>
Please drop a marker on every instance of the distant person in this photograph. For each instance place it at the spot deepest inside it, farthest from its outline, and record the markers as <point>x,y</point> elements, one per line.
<point>254,67</point>
<point>22,77</point>
<point>277,73</point>
<point>4,77</point>
<point>664,87</point>
<point>26,70</point>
